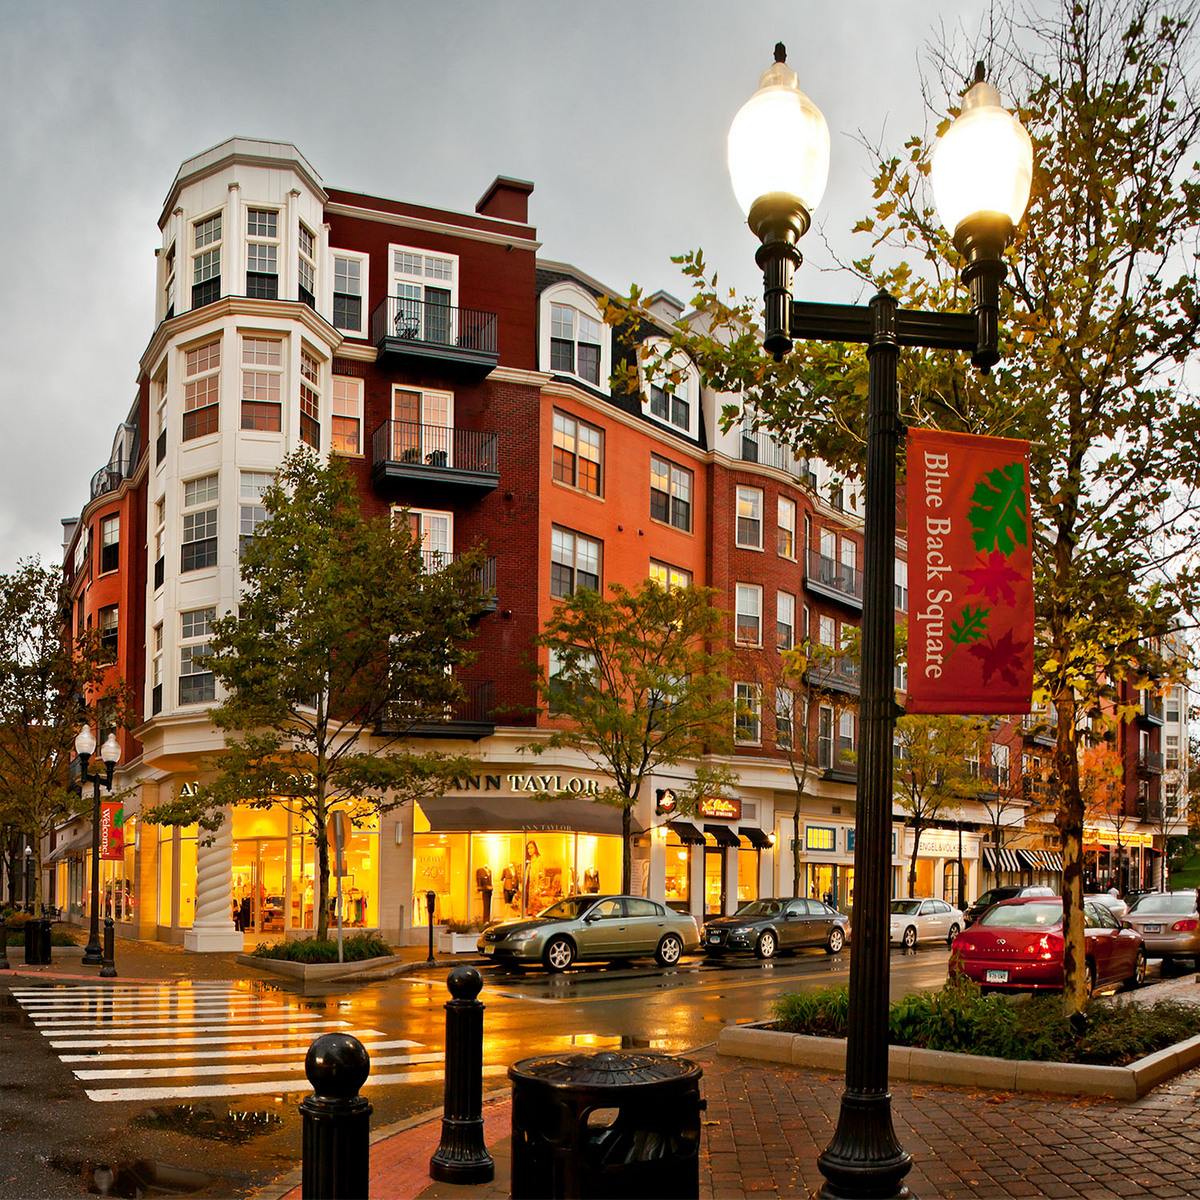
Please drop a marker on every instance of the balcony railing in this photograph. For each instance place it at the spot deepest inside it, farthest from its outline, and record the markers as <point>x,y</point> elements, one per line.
<point>485,573</point>
<point>1150,763</point>
<point>833,578</point>
<point>121,462</point>
<point>758,446</point>
<point>471,718</point>
<point>436,454</point>
<point>1152,709</point>
<point>425,329</point>
<point>837,675</point>
<point>1041,727</point>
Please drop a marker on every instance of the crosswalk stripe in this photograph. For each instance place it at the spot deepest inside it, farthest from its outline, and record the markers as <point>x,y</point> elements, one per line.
<point>174,1032</point>
<point>68,1028</point>
<point>184,1055</point>
<point>385,1060</point>
<point>184,1041</point>
<point>204,1091</point>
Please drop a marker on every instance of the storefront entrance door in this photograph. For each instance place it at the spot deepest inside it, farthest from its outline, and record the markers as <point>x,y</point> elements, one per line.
<point>258,878</point>
<point>714,881</point>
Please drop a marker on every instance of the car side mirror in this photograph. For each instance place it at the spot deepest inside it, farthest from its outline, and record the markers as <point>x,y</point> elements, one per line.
<point>1126,924</point>
<point>590,917</point>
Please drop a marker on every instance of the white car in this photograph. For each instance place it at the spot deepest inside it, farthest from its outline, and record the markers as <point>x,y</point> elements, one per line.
<point>924,919</point>
<point>1114,904</point>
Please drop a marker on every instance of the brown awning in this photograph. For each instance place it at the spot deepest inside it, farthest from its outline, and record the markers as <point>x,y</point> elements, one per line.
<point>479,814</point>
<point>755,836</point>
<point>723,834</point>
<point>687,833</point>
<point>77,845</point>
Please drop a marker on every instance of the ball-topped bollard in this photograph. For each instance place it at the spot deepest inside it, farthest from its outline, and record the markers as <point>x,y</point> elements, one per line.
<point>337,1120</point>
<point>461,1157</point>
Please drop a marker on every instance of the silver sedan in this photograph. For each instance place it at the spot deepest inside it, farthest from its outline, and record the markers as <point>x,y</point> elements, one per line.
<point>924,919</point>
<point>1169,923</point>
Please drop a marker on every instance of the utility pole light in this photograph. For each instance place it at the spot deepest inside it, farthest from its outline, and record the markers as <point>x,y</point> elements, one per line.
<point>982,168</point>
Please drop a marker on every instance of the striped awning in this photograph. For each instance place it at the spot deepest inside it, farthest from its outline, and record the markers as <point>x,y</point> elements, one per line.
<point>1002,860</point>
<point>1043,860</point>
<point>1054,860</point>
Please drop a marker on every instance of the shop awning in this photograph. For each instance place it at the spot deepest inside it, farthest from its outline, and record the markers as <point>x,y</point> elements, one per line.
<point>475,814</point>
<point>687,833</point>
<point>1002,860</point>
<point>723,834</point>
<point>1032,859</point>
<point>755,836</point>
<point>1054,860</point>
<point>77,845</point>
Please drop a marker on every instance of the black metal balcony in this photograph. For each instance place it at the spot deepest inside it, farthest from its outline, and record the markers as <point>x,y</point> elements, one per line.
<point>465,459</point>
<point>836,580</point>
<point>843,769</point>
<point>836,675</point>
<point>485,573</point>
<point>758,446</point>
<point>471,718</point>
<point>423,329</point>
<point>1040,728</point>
<point>1151,714</point>
<point>1150,763</point>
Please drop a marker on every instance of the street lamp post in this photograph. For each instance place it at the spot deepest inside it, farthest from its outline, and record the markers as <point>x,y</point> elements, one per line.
<point>110,754</point>
<point>981,171</point>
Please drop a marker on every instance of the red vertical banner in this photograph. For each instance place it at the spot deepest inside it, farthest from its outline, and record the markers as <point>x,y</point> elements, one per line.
<point>970,574</point>
<point>112,830</point>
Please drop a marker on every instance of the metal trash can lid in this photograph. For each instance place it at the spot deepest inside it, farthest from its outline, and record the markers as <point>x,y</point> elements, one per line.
<point>608,1068</point>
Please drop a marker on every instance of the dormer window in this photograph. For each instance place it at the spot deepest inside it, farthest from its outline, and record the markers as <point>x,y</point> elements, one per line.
<point>262,255</point>
<point>574,343</point>
<point>671,388</point>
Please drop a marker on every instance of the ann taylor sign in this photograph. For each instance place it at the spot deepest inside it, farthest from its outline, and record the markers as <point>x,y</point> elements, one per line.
<point>528,783</point>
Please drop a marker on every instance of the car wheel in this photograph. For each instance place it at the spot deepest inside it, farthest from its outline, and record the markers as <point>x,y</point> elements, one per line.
<point>837,939</point>
<point>558,955</point>
<point>669,950</point>
<point>1089,980</point>
<point>910,938</point>
<point>767,945</point>
<point>1139,972</point>
<point>954,932</point>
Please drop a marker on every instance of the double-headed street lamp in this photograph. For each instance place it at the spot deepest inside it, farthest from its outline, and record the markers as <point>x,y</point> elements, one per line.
<point>110,753</point>
<point>981,172</point>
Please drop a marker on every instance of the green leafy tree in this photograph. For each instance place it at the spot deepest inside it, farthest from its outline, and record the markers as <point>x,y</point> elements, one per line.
<point>345,641</point>
<point>932,773</point>
<point>49,687</point>
<point>635,677</point>
<point>1102,311</point>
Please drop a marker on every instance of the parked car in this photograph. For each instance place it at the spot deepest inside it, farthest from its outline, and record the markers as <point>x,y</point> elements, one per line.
<point>1017,945</point>
<point>924,919</point>
<point>767,926</point>
<point>1169,923</point>
<point>1006,891</point>
<point>1115,903</point>
<point>585,928</point>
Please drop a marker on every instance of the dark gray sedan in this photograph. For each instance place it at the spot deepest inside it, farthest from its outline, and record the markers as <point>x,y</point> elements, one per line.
<point>1169,923</point>
<point>764,927</point>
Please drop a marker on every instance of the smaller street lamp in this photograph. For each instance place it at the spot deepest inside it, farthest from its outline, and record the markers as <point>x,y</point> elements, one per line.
<point>110,754</point>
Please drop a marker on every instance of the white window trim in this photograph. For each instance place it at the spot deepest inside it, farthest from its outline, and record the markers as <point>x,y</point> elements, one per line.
<point>364,261</point>
<point>736,504</point>
<point>754,704</point>
<point>688,387</point>
<point>394,276</point>
<point>756,590</point>
<point>571,294</point>
<point>362,404</point>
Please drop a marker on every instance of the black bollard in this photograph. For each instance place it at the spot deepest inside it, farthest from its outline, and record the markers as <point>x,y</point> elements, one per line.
<point>462,1157</point>
<point>430,901</point>
<point>337,1120</point>
<point>4,945</point>
<point>109,969</point>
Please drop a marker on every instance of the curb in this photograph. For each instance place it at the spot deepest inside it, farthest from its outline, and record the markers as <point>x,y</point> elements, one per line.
<point>967,1070</point>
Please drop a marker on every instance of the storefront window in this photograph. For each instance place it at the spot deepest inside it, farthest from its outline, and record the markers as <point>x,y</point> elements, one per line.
<point>440,866</point>
<point>714,877</point>
<point>166,861</point>
<point>187,876</point>
<point>821,881</point>
<point>129,909</point>
<point>679,873</point>
<point>950,883</point>
<point>747,886</point>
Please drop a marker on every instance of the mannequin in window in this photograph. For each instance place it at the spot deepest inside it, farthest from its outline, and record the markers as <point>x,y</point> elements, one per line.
<point>510,882</point>
<point>483,881</point>
<point>591,880</point>
<point>533,868</point>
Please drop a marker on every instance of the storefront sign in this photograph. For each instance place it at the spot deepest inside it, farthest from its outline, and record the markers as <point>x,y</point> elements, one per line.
<point>575,784</point>
<point>942,844</point>
<point>1107,838</point>
<point>718,806</point>
<point>970,572</point>
<point>112,833</point>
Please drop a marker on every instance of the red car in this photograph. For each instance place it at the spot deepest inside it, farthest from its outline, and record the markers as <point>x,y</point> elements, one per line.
<point>1017,945</point>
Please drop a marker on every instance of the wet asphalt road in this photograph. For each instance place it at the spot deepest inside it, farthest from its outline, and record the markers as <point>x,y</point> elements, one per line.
<point>52,1135</point>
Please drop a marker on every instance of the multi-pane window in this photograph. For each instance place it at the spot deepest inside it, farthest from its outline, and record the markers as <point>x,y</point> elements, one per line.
<point>307,267</point>
<point>196,681</point>
<point>347,294</point>
<point>262,256</point>
<point>108,630</point>
<point>670,493</point>
<point>785,529</point>
<point>206,261</point>
<point>199,548</point>
<point>827,631</point>
<point>434,532</point>
<point>169,281</point>
<point>669,402</point>
<point>824,737</point>
<point>574,562</point>
<point>110,543</point>
<point>160,541</point>
<point>845,742</point>
<point>1171,798</point>
<point>1172,706</point>
<point>582,673</point>
<point>785,706</point>
<point>749,518</point>
<point>346,430</point>
<point>748,625</point>
<point>578,453</point>
<point>422,429</point>
<point>901,585</point>
<point>1000,763</point>
<point>310,400</point>
<point>423,286</point>
<point>668,577</point>
<point>1171,749</point>
<point>574,343</point>
<point>262,377</point>
<point>747,720</point>
<point>785,620</point>
<point>201,390</point>
<point>251,510</point>
<point>156,672</point>
<point>160,418</point>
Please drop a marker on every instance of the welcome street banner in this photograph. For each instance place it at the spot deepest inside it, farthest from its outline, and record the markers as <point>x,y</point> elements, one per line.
<point>970,574</point>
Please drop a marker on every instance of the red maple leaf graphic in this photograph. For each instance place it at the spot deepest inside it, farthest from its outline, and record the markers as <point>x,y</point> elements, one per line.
<point>993,578</point>
<point>1003,657</point>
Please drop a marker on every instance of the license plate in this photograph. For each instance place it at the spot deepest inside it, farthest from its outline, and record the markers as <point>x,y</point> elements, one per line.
<point>1152,929</point>
<point>995,977</point>
<point>714,941</point>
<point>486,949</point>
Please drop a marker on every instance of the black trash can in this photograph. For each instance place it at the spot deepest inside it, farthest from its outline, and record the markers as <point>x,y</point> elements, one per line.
<point>603,1125</point>
<point>37,942</point>
<point>44,939</point>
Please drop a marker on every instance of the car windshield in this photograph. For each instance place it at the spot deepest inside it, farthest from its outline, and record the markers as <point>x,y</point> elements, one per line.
<point>760,908</point>
<point>568,909</point>
<point>1165,902</point>
<point>905,908</point>
<point>1034,915</point>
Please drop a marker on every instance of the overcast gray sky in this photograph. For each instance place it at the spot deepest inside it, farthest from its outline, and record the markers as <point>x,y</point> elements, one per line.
<point>617,112</point>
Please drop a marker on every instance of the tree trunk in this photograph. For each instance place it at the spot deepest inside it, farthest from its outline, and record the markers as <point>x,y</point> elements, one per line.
<point>1070,829</point>
<point>796,850</point>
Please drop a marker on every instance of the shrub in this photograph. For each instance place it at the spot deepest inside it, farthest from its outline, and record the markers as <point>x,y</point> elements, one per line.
<point>355,948</point>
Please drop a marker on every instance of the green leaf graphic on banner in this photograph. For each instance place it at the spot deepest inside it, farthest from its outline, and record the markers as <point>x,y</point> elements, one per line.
<point>972,627</point>
<point>999,514</point>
